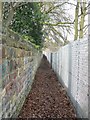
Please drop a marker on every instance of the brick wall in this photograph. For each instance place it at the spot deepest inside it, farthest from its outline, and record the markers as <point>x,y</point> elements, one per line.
<point>71,65</point>
<point>18,64</point>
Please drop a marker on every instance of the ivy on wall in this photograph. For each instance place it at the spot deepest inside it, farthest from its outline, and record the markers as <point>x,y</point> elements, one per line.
<point>27,21</point>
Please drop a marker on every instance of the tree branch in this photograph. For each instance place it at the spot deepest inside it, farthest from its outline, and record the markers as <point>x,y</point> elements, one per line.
<point>52,8</point>
<point>59,23</point>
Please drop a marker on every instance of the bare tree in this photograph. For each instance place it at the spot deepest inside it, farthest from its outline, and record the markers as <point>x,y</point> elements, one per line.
<point>80,14</point>
<point>76,21</point>
<point>59,23</point>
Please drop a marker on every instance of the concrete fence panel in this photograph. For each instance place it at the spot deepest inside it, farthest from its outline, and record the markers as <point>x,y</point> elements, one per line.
<point>71,66</point>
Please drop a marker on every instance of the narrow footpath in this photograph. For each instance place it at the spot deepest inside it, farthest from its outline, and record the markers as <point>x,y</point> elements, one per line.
<point>47,98</point>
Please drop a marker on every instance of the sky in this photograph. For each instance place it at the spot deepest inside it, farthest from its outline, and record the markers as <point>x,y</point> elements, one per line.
<point>71,11</point>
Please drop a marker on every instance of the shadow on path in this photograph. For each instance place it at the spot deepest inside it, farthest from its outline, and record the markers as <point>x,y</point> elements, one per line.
<point>47,98</point>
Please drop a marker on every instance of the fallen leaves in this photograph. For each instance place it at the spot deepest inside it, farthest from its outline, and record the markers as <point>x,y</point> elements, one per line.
<point>47,98</point>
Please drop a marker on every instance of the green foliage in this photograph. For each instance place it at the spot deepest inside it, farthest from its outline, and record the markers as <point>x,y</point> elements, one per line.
<point>29,38</point>
<point>5,10</point>
<point>27,21</point>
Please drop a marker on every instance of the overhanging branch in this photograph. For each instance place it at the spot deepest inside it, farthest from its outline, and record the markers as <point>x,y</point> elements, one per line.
<point>59,23</point>
<point>52,8</point>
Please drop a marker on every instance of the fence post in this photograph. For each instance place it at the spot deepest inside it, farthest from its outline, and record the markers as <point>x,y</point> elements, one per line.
<point>51,59</point>
<point>88,58</point>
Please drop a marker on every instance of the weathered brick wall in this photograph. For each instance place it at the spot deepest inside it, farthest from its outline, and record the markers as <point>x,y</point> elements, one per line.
<point>18,64</point>
<point>71,65</point>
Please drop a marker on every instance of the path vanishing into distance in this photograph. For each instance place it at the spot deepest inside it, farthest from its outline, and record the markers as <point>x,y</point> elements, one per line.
<point>47,98</point>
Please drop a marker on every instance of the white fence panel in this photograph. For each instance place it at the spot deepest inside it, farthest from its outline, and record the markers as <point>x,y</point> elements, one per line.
<point>71,65</point>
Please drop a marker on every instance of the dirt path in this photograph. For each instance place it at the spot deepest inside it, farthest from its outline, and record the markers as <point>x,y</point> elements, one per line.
<point>47,98</point>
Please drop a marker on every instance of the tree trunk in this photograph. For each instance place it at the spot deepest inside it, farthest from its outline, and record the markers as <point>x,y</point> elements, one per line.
<point>76,21</point>
<point>83,12</point>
